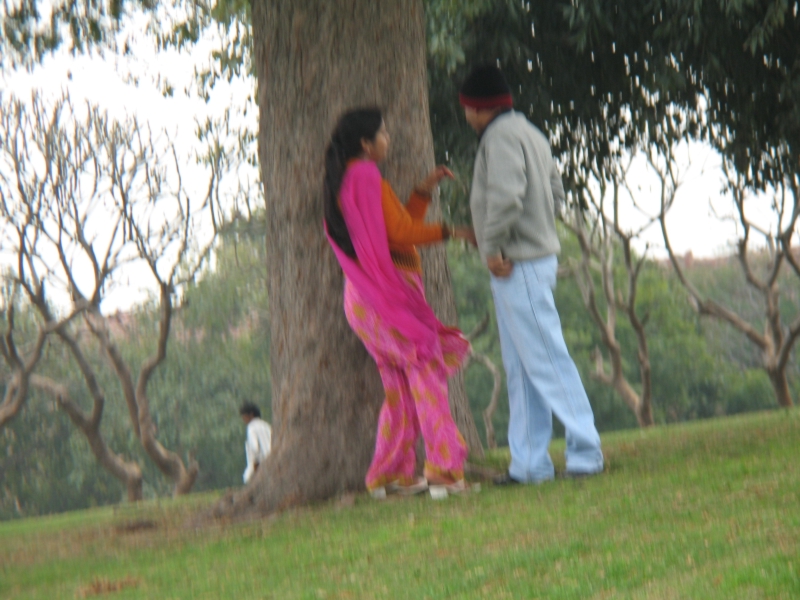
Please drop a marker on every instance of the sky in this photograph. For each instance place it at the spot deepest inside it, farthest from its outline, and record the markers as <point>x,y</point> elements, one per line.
<point>696,224</point>
<point>106,81</point>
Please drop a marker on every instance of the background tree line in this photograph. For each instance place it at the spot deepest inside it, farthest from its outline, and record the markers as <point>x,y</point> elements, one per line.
<point>219,357</point>
<point>606,82</point>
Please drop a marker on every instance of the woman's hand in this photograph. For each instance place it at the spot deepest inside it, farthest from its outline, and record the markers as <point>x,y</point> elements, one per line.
<point>427,185</point>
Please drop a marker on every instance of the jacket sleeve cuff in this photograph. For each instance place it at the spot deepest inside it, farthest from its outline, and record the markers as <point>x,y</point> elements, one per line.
<point>491,250</point>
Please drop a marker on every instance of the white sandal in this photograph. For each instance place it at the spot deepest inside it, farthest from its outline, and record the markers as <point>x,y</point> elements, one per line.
<point>420,485</point>
<point>441,491</point>
<point>378,493</point>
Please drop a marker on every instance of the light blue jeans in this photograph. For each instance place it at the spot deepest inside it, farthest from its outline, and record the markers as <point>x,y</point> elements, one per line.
<point>541,376</point>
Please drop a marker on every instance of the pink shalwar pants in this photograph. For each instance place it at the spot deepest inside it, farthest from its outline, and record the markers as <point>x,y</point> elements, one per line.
<point>416,398</point>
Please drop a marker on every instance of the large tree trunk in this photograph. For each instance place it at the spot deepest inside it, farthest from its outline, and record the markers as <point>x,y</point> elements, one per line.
<point>315,60</point>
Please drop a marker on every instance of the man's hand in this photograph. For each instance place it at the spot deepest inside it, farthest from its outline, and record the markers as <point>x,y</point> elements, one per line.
<point>464,233</point>
<point>499,266</point>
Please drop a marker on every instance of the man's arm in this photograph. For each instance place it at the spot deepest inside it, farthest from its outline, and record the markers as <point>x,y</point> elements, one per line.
<point>557,185</point>
<point>506,182</point>
<point>401,227</point>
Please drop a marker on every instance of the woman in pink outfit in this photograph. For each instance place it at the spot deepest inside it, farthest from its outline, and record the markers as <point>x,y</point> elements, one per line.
<point>374,237</point>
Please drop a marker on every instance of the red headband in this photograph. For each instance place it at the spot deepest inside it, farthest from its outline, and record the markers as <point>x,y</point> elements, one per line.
<point>502,100</point>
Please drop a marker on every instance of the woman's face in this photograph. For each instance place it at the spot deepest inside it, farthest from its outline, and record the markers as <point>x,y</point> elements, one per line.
<point>376,149</point>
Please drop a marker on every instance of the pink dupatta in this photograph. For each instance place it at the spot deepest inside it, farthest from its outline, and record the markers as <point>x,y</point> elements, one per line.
<point>374,275</point>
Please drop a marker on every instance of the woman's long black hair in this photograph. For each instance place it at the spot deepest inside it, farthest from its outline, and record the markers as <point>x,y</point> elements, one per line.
<point>353,126</point>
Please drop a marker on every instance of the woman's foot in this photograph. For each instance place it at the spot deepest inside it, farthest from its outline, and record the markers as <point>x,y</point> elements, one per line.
<point>378,493</point>
<point>443,487</point>
<point>419,485</point>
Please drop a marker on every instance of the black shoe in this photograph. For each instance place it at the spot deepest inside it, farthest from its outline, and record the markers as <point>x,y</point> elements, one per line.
<point>506,479</point>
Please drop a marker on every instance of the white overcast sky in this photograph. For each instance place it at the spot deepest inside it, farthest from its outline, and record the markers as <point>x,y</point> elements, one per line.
<point>105,82</point>
<point>692,223</point>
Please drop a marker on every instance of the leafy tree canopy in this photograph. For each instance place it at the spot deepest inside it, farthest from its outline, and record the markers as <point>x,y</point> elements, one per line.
<point>602,75</point>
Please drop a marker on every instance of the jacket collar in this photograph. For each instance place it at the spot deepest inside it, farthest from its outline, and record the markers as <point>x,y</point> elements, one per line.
<point>505,111</point>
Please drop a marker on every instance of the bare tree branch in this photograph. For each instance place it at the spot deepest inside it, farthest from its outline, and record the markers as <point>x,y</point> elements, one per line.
<point>598,231</point>
<point>774,345</point>
<point>15,396</point>
<point>789,231</point>
<point>127,472</point>
<point>488,412</point>
<point>62,175</point>
<point>168,462</point>
<point>703,305</point>
<point>479,329</point>
<point>21,364</point>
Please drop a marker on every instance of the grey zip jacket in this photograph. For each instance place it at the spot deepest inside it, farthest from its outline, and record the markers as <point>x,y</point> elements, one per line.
<point>516,191</point>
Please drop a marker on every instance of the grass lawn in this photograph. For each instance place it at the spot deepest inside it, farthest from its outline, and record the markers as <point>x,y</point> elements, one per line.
<point>703,510</point>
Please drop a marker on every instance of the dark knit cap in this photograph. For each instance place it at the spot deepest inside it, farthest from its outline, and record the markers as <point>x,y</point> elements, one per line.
<point>486,87</point>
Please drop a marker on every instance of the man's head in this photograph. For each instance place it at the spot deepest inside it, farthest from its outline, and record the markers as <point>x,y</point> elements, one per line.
<point>484,94</point>
<point>249,411</point>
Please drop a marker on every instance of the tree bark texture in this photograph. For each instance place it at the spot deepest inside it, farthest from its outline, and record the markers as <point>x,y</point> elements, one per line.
<point>314,61</point>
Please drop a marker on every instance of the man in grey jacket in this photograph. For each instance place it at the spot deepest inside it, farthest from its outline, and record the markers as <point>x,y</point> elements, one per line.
<point>516,189</point>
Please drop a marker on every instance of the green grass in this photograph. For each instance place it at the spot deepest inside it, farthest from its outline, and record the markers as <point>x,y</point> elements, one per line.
<point>703,510</point>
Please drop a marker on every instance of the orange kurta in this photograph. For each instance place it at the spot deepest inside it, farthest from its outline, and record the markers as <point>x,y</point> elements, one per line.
<point>406,228</point>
